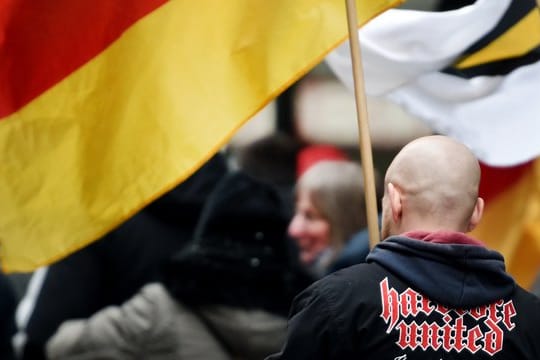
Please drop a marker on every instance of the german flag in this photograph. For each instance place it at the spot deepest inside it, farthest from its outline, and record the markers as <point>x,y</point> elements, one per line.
<point>106,105</point>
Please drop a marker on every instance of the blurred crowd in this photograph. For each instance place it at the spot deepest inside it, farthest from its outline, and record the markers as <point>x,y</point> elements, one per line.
<point>207,271</point>
<point>211,269</point>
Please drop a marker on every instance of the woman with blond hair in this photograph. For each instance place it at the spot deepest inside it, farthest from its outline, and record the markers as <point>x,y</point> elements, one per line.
<point>330,216</point>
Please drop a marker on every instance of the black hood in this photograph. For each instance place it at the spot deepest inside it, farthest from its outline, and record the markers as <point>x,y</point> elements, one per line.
<point>455,275</point>
<point>240,254</point>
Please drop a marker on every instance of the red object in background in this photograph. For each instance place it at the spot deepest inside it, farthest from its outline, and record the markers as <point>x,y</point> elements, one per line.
<point>312,154</point>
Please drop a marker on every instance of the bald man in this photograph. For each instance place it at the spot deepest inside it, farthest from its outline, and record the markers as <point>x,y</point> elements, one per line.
<point>432,185</point>
<point>428,291</point>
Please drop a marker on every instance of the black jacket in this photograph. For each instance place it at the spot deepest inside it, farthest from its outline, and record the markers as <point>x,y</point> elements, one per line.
<point>113,269</point>
<point>416,300</point>
<point>7,317</point>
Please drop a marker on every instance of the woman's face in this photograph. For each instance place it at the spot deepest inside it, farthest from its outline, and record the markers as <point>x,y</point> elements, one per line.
<point>309,228</point>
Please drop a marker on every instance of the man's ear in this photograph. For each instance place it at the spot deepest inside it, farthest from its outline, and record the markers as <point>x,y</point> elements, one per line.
<point>477,214</point>
<point>394,197</point>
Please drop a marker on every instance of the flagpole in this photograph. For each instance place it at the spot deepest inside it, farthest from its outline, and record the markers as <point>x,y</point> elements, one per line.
<point>363,126</point>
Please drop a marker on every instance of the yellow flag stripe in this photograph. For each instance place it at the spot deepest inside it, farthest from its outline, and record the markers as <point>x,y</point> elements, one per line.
<point>516,41</point>
<point>147,112</point>
<point>511,224</point>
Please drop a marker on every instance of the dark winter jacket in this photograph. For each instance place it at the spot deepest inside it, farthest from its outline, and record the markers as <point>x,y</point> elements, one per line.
<point>113,269</point>
<point>442,298</point>
<point>7,317</point>
<point>224,296</point>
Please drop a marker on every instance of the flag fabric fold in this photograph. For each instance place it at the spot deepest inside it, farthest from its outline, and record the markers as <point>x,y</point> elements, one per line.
<point>461,71</point>
<point>511,220</point>
<point>104,106</point>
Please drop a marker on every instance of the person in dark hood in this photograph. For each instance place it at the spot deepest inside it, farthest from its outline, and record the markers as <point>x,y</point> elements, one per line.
<point>112,269</point>
<point>224,296</point>
<point>428,291</point>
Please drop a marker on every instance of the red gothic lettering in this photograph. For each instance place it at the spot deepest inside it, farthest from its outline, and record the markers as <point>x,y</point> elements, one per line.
<point>425,305</point>
<point>478,312</point>
<point>412,303</point>
<point>407,335</point>
<point>448,343</point>
<point>407,303</point>
<point>493,311</point>
<point>460,331</point>
<point>441,309</point>
<point>509,311</point>
<point>429,336</point>
<point>493,339</point>
<point>390,305</point>
<point>444,311</point>
<point>399,311</point>
<point>473,336</point>
<point>455,337</point>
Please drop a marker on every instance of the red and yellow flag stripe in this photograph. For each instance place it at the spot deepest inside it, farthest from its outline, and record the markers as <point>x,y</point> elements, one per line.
<point>511,221</point>
<point>106,105</point>
<point>42,45</point>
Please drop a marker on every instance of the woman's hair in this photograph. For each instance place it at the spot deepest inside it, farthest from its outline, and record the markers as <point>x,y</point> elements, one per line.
<point>336,189</point>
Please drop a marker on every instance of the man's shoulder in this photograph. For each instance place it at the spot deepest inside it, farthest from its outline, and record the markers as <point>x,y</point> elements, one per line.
<point>358,273</point>
<point>351,281</point>
<point>528,301</point>
<point>527,296</point>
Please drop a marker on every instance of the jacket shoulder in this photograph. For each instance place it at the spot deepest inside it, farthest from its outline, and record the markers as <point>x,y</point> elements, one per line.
<point>355,286</point>
<point>366,274</point>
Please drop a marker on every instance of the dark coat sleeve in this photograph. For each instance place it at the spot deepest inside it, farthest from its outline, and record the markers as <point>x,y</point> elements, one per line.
<point>113,269</point>
<point>107,272</point>
<point>71,289</point>
<point>7,317</point>
<point>313,330</point>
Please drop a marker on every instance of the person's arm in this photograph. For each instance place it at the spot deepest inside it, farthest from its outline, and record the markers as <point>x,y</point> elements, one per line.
<point>7,317</point>
<point>313,332</point>
<point>129,329</point>
<point>70,289</point>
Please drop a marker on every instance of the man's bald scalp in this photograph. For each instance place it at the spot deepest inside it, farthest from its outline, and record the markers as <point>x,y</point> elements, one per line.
<point>438,177</point>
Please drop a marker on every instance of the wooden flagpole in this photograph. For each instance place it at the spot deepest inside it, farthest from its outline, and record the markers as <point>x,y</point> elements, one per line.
<point>363,126</point>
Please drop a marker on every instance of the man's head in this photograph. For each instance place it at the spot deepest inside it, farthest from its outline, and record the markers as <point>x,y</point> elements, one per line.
<point>432,184</point>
